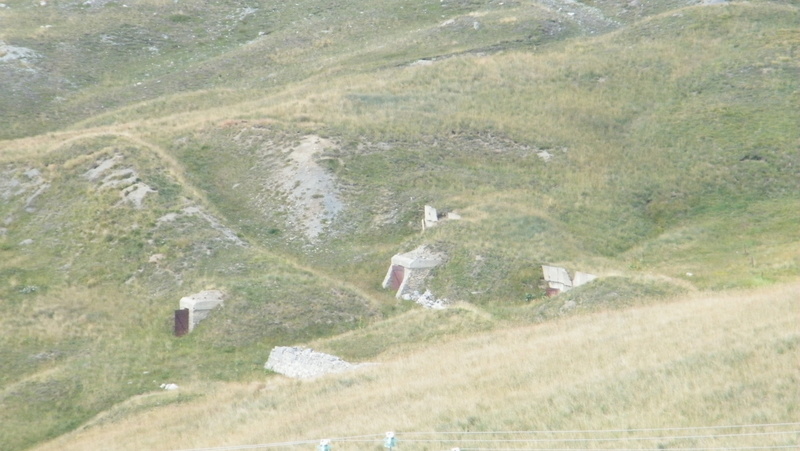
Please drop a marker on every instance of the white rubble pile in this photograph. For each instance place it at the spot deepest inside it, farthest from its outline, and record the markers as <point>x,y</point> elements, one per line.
<point>426,299</point>
<point>305,363</point>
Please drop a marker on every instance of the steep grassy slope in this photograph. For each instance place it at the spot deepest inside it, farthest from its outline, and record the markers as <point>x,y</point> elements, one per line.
<point>146,145</point>
<point>631,377</point>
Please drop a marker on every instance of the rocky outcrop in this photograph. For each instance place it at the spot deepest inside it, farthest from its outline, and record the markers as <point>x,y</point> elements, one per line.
<point>126,180</point>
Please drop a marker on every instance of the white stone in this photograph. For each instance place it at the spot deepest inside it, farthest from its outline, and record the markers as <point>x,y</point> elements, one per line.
<point>102,167</point>
<point>136,193</point>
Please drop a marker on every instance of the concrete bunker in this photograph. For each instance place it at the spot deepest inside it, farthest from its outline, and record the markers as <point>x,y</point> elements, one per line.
<point>407,272</point>
<point>557,279</point>
<point>195,308</point>
<point>431,217</point>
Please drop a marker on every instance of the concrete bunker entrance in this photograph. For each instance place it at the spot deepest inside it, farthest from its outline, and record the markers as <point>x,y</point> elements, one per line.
<point>407,272</point>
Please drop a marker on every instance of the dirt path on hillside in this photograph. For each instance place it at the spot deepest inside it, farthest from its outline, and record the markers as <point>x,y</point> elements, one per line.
<point>303,177</point>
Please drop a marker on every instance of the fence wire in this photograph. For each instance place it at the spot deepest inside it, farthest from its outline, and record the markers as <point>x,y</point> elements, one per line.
<point>774,436</point>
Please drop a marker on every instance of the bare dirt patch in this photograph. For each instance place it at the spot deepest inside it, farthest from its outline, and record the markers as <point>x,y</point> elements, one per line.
<point>311,190</point>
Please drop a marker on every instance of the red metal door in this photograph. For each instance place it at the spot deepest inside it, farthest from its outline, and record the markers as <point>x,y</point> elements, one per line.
<point>397,277</point>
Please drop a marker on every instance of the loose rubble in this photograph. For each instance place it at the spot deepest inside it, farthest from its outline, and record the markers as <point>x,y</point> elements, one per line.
<point>427,300</point>
<point>305,363</point>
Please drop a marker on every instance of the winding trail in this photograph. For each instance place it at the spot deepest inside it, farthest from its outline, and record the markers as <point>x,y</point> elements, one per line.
<point>53,142</point>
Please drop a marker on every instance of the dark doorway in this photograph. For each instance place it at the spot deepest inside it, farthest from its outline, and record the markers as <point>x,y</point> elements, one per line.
<point>181,322</point>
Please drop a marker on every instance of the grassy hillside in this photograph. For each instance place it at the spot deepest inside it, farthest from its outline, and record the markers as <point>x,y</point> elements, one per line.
<point>283,153</point>
<point>646,139</point>
<point>91,281</point>
<point>703,362</point>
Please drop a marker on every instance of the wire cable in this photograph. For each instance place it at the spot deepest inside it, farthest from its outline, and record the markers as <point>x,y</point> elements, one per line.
<point>727,448</point>
<point>372,438</point>
<point>595,431</point>
<point>608,439</point>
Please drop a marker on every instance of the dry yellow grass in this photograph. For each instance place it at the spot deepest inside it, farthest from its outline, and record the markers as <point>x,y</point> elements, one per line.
<point>707,360</point>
